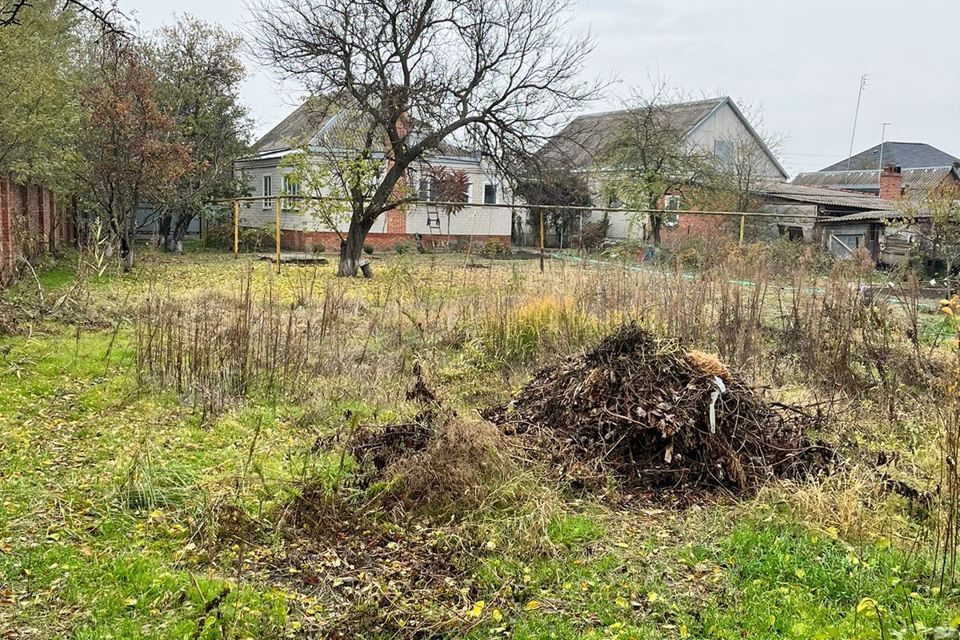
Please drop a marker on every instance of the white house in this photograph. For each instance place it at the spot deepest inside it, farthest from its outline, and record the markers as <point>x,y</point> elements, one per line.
<point>266,178</point>
<point>715,126</point>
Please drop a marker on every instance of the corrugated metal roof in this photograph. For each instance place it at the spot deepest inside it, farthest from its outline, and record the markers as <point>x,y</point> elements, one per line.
<point>907,155</point>
<point>918,180</point>
<point>873,216</point>
<point>829,197</point>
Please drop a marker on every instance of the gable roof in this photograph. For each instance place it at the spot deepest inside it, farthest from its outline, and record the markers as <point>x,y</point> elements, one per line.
<point>584,139</point>
<point>581,142</point>
<point>916,181</point>
<point>907,155</point>
<point>296,130</point>
<point>318,122</point>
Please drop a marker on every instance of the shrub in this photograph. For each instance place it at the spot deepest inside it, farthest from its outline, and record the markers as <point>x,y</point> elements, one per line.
<point>368,249</point>
<point>401,248</point>
<point>317,248</point>
<point>493,247</point>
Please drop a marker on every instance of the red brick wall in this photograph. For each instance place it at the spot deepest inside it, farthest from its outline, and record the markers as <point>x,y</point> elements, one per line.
<point>30,223</point>
<point>891,184</point>
<point>692,226</point>
<point>307,240</point>
<point>396,222</point>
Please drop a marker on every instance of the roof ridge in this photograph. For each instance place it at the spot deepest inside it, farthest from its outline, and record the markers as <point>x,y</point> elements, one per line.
<point>939,167</point>
<point>686,103</point>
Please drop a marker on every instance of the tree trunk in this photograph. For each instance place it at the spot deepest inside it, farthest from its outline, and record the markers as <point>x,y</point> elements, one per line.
<point>351,249</point>
<point>656,221</point>
<point>126,245</point>
<point>179,233</point>
<point>166,224</point>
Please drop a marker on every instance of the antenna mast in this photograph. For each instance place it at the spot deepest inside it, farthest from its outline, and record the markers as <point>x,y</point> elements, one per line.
<point>856,116</point>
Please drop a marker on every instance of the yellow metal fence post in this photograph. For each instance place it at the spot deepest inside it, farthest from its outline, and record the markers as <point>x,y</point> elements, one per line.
<point>541,240</point>
<point>743,222</point>
<point>277,206</point>
<point>236,228</point>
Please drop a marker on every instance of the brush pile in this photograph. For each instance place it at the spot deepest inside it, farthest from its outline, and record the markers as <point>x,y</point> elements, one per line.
<point>655,417</point>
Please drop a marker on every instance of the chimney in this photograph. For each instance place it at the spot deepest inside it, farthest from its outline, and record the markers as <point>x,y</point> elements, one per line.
<point>891,183</point>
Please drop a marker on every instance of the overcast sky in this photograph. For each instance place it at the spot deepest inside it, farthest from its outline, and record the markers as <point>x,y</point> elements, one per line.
<point>799,63</point>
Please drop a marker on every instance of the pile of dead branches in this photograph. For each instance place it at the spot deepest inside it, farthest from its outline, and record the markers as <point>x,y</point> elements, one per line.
<point>653,416</point>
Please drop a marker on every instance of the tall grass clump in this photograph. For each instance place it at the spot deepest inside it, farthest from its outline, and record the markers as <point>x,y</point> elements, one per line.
<point>511,331</point>
<point>221,346</point>
<point>947,539</point>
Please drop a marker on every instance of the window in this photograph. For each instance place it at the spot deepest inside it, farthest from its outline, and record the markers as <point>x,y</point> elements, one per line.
<point>723,149</point>
<point>670,204</point>
<point>793,234</point>
<point>489,194</point>
<point>291,187</point>
<point>843,245</point>
<point>426,189</point>
<point>429,192</point>
<point>267,191</point>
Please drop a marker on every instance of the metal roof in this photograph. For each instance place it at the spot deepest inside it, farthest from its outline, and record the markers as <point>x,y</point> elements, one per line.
<point>829,197</point>
<point>864,180</point>
<point>873,216</point>
<point>907,155</point>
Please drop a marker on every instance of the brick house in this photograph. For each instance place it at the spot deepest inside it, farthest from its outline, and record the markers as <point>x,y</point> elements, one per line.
<point>312,128</point>
<point>31,223</point>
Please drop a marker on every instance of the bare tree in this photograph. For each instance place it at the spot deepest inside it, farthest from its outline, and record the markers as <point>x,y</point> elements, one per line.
<point>11,13</point>
<point>939,209</point>
<point>648,156</point>
<point>744,164</point>
<point>565,191</point>
<point>494,75</point>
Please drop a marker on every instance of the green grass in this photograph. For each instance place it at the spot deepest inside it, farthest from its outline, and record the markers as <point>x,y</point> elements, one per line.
<point>108,492</point>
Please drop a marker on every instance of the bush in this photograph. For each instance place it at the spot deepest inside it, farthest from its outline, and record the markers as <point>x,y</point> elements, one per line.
<point>317,248</point>
<point>401,248</point>
<point>368,249</point>
<point>594,233</point>
<point>493,247</point>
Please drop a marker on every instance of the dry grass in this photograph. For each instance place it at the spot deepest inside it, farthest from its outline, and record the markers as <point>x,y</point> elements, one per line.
<point>853,504</point>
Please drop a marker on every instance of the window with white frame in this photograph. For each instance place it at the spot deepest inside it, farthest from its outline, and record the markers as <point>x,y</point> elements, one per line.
<point>267,191</point>
<point>291,187</point>
<point>425,192</point>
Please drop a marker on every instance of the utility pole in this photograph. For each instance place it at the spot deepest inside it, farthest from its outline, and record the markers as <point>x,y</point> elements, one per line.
<point>856,116</point>
<point>883,139</point>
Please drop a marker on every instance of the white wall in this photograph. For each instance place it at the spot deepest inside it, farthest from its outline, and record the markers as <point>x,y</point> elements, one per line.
<point>472,220</point>
<point>724,124</point>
